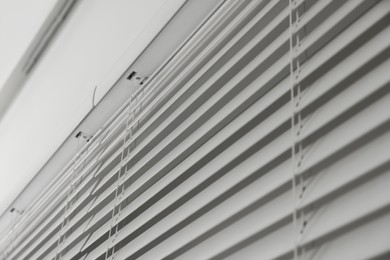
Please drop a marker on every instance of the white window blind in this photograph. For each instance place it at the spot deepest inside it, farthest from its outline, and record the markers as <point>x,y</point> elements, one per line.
<point>266,135</point>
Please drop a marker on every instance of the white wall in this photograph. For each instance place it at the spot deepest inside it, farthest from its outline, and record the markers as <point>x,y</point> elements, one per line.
<point>100,40</point>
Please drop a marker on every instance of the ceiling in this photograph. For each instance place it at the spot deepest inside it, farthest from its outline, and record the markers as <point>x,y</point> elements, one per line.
<point>20,21</point>
<point>88,56</point>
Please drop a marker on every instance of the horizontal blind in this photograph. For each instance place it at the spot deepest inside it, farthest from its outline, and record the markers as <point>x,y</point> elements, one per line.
<point>264,136</point>
<point>341,92</point>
